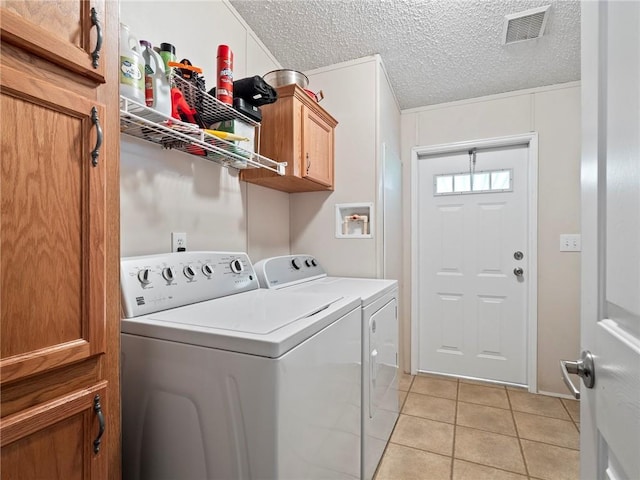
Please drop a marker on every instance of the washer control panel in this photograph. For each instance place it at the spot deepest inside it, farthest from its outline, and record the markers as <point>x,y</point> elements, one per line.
<point>153,283</point>
<point>278,272</point>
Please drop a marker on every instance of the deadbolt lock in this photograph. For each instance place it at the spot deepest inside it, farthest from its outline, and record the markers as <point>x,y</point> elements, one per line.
<point>518,255</point>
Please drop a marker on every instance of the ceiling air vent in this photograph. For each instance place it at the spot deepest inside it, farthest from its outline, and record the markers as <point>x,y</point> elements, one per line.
<point>526,25</point>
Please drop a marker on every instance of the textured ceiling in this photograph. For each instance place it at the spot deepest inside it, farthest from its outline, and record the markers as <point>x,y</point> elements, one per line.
<point>434,51</point>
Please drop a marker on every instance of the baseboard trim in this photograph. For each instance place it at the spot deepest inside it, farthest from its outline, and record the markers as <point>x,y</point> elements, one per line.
<point>554,394</point>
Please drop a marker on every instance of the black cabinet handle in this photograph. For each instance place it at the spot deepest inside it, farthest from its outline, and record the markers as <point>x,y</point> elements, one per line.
<point>98,409</point>
<point>95,55</point>
<point>96,151</point>
<point>308,163</point>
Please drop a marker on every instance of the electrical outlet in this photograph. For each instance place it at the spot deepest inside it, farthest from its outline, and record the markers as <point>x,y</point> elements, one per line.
<point>178,242</point>
<point>570,243</point>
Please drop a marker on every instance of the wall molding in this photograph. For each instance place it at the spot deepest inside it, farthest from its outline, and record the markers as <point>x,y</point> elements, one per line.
<point>488,98</point>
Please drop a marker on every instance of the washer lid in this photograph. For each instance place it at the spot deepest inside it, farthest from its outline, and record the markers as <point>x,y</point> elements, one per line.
<point>368,289</point>
<point>260,322</point>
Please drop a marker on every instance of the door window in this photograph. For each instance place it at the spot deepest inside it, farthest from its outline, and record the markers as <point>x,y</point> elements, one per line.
<point>488,181</point>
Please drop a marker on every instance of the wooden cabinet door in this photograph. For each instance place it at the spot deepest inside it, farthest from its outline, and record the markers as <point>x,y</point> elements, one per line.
<point>67,33</point>
<point>317,141</point>
<point>296,130</point>
<point>58,440</point>
<point>52,227</point>
<point>59,240</point>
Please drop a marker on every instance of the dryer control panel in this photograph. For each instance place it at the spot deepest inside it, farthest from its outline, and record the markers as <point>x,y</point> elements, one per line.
<point>153,283</point>
<point>278,272</point>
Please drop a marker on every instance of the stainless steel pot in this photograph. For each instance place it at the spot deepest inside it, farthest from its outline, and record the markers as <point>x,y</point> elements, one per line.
<point>280,78</point>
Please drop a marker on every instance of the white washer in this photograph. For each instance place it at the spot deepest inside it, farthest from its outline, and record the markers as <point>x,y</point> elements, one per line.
<point>379,307</point>
<point>223,380</point>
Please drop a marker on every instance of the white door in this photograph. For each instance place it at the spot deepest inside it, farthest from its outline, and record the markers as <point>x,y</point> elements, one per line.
<point>473,263</point>
<point>610,319</point>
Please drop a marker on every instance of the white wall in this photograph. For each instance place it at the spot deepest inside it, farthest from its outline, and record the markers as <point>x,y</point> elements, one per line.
<point>553,112</point>
<point>358,95</point>
<point>163,191</point>
<point>390,184</point>
<point>349,91</point>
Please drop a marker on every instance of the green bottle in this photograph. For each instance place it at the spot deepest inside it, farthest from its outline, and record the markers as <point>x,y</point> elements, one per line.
<point>168,54</point>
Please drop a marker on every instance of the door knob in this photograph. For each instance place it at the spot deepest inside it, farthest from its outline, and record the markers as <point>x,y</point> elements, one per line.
<point>583,367</point>
<point>518,271</point>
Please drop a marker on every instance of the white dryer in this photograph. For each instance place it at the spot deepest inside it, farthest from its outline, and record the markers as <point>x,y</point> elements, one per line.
<point>223,380</point>
<point>379,316</point>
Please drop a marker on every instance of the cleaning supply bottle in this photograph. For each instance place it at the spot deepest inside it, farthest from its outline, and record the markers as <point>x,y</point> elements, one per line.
<point>131,66</point>
<point>224,84</point>
<point>157,87</point>
<point>168,54</point>
<point>148,72</point>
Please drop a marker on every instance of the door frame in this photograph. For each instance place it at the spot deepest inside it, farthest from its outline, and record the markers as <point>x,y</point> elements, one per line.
<point>531,140</point>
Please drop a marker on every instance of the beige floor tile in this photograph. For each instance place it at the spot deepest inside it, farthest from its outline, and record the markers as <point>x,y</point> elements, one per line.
<point>405,382</point>
<point>489,449</point>
<point>471,471</point>
<point>537,404</point>
<point>492,397</point>
<point>548,430</point>
<point>407,463</point>
<point>574,408</point>
<point>482,417</point>
<point>436,437</point>
<point>434,408</point>
<point>436,387</point>
<point>402,396</point>
<point>549,462</point>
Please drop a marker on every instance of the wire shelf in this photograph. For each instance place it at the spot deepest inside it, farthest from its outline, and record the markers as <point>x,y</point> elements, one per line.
<point>142,122</point>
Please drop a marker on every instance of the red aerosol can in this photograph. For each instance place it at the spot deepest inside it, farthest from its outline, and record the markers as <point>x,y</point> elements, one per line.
<point>224,85</point>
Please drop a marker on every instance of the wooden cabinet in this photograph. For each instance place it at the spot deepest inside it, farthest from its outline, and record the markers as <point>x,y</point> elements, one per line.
<point>59,240</point>
<point>296,130</point>
<point>57,439</point>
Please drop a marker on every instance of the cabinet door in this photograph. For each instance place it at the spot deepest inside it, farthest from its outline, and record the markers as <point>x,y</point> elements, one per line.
<point>62,439</point>
<point>52,234</point>
<point>68,33</point>
<point>317,141</point>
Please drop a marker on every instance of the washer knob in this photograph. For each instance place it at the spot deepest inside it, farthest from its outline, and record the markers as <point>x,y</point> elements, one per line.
<point>168,273</point>
<point>236,266</point>
<point>189,272</point>
<point>295,263</point>
<point>307,262</point>
<point>143,276</point>
<point>207,269</point>
<point>313,262</point>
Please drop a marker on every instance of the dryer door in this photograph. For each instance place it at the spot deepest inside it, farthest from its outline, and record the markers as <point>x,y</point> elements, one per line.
<point>383,358</point>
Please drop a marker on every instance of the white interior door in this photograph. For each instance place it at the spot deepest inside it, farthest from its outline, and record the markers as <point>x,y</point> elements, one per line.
<point>472,261</point>
<point>610,319</point>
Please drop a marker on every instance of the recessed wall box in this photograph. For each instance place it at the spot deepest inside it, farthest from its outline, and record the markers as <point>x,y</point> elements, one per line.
<point>354,220</point>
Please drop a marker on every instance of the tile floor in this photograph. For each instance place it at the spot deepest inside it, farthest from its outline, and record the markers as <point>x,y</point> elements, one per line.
<point>465,430</point>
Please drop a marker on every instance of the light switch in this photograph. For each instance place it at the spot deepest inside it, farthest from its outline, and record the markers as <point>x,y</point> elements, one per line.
<point>570,243</point>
